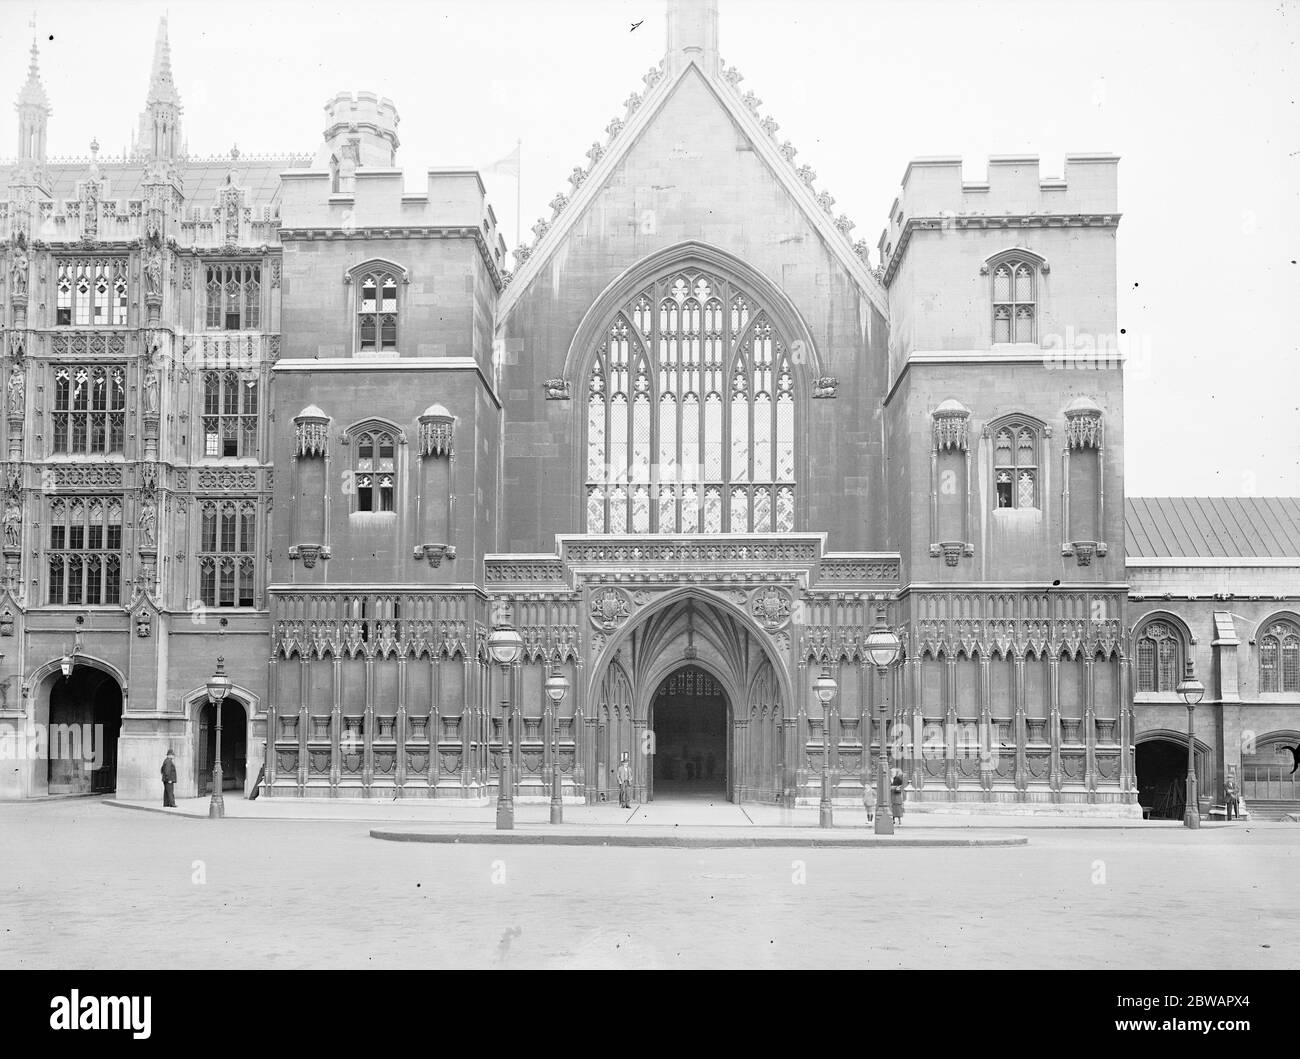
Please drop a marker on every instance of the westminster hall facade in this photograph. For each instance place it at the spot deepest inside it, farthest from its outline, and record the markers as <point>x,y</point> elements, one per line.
<point>283,411</point>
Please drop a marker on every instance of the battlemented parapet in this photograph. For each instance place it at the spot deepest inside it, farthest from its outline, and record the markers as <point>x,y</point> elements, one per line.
<point>378,200</point>
<point>934,194</point>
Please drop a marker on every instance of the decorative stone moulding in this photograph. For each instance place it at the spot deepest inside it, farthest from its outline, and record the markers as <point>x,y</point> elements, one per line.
<point>825,386</point>
<point>435,553</point>
<point>1084,551</point>
<point>556,389</point>
<point>540,229</point>
<point>825,200</point>
<point>845,225</point>
<point>557,205</point>
<point>309,553</point>
<point>952,551</point>
<point>311,432</point>
<point>807,174</point>
<point>1083,427</point>
<point>578,177</point>
<point>436,431</point>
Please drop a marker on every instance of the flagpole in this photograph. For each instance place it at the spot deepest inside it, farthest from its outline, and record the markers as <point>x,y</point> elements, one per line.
<point>519,183</point>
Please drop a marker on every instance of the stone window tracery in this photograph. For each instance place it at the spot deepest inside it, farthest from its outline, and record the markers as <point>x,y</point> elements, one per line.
<point>1015,303</point>
<point>234,297</point>
<point>84,559</point>
<point>375,475</point>
<point>690,414</point>
<point>1159,657</point>
<point>89,408</point>
<point>228,547</point>
<point>1015,465</point>
<point>90,292</point>
<point>377,311</point>
<point>1279,657</point>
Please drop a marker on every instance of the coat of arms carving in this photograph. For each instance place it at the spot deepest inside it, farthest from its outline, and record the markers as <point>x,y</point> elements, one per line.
<point>771,608</point>
<point>609,609</point>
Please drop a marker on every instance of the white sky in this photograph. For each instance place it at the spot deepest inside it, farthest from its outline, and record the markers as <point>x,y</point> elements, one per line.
<point>1199,99</point>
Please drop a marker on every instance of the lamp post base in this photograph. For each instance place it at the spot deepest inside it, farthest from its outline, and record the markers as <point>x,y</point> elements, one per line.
<point>505,817</point>
<point>557,813</point>
<point>884,819</point>
<point>1192,819</point>
<point>827,816</point>
<point>216,807</point>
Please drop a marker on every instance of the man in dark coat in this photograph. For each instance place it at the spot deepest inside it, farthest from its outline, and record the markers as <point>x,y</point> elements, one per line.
<point>169,781</point>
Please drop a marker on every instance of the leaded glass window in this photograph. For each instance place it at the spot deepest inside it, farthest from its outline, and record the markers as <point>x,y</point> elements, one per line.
<point>234,297</point>
<point>230,401</point>
<point>1158,657</point>
<point>1014,301</point>
<point>89,408</point>
<point>90,292</point>
<point>377,312</point>
<point>228,547</point>
<point>1279,657</point>
<point>1016,465</point>
<point>375,475</point>
<point>690,414</point>
<point>84,558</point>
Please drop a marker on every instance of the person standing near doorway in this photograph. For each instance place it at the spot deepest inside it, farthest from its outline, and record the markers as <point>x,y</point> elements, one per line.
<point>624,777</point>
<point>169,781</point>
<point>1231,796</point>
<point>896,786</point>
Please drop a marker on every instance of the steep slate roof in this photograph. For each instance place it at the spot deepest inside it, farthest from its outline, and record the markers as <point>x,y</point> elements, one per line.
<point>1212,526</point>
<point>200,178</point>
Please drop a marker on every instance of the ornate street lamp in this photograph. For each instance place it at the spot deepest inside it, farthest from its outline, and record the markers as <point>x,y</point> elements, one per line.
<point>218,687</point>
<point>825,688</point>
<point>557,686</point>
<point>66,663</point>
<point>1192,691</point>
<point>505,645</point>
<point>882,649</point>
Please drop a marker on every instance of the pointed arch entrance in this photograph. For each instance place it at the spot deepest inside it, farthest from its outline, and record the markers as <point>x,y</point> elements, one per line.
<point>689,718</point>
<point>694,671</point>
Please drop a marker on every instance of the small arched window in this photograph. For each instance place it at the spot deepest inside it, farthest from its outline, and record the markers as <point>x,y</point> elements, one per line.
<point>376,471</point>
<point>1159,657</point>
<point>1016,464</point>
<point>1279,657</point>
<point>377,311</point>
<point>1015,300</point>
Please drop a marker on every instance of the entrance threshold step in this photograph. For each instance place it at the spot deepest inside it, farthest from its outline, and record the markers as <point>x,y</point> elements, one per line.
<point>689,838</point>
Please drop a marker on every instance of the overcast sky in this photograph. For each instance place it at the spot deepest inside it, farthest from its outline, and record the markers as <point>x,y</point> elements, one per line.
<point>1199,99</point>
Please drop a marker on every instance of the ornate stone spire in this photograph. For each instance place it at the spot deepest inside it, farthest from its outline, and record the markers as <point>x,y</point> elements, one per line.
<point>160,122</point>
<point>33,108</point>
<point>692,35</point>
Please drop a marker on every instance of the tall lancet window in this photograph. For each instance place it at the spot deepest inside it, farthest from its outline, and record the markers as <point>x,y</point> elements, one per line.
<point>690,414</point>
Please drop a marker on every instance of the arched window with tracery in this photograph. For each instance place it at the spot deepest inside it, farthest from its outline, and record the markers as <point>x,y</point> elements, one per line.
<point>1159,657</point>
<point>1016,464</point>
<point>375,475</point>
<point>690,414</point>
<point>1279,657</point>
<point>1015,301</point>
<point>377,311</point>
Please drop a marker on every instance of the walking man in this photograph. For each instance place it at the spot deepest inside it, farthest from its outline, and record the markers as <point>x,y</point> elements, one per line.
<point>169,781</point>
<point>624,777</point>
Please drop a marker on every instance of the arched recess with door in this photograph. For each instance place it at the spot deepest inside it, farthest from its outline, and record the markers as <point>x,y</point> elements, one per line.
<point>81,718</point>
<point>242,742</point>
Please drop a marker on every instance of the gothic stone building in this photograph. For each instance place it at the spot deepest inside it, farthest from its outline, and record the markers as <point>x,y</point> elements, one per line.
<point>283,411</point>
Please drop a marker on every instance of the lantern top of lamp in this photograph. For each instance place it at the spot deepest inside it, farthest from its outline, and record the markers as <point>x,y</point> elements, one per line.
<point>557,685</point>
<point>1189,688</point>
<point>882,645</point>
<point>825,686</point>
<point>219,684</point>
<point>504,644</point>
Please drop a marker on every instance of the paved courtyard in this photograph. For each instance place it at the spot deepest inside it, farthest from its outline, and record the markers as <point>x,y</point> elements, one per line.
<point>84,884</point>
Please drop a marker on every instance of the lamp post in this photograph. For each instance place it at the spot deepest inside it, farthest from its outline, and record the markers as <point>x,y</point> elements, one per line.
<point>557,686</point>
<point>825,687</point>
<point>1192,691</point>
<point>883,648</point>
<point>505,646</point>
<point>218,686</point>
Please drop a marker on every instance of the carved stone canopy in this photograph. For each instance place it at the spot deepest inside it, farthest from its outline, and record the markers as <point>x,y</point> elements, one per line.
<point>436,431</point>
<point>311,432</point>
<point>951,426</point>
<point>1083,425</point>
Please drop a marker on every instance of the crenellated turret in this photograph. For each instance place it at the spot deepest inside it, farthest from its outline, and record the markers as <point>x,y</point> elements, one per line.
<point>360,131</point>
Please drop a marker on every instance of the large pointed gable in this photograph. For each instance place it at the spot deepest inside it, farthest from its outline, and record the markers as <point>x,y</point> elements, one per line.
<point>626,133</point>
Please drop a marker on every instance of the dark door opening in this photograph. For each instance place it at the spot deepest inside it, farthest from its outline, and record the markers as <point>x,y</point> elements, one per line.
<point>234,751</point>
<point>85,723</point>
<point>1162,778</point>
<point>689,719</point>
